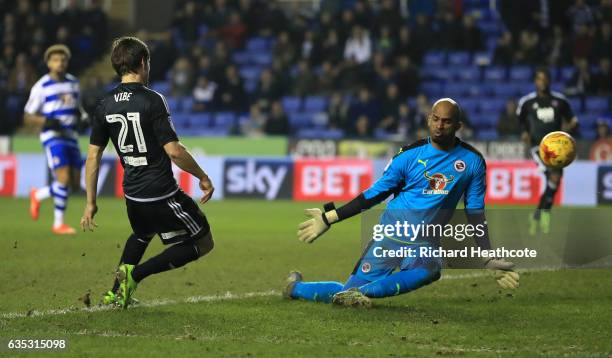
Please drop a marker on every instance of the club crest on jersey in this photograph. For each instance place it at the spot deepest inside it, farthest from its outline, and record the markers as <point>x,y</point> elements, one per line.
<point>366,267</point>
<point>459,165</point>
<point>437,183</point>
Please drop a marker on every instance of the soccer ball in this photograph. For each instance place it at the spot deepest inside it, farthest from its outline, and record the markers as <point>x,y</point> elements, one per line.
<point>557,150</point>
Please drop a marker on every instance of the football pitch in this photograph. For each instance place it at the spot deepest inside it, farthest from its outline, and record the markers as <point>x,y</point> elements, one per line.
<point>229,303</point>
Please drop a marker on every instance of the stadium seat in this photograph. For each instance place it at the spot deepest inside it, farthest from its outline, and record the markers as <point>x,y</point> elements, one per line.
<point>492,106</point>
<point>471,73</point>
<point>487,134</point>
<point>241,58</point>
<point>434,58</point>
<point>257,44</point>
<point>299,120</point>
<point>320,133</point>
<point>224,120</point>
<point>587,121</point>
<point>469,104</point>
<point>186,104</point>
<point>200,120</point>
<point>181,120</point>
<point>250,73</point>
<point>315,104</point>
<point>262,59</point>
<point>576,104</point>
<point>174,104</point>
<point>566,73</point>
<point>432,88</point>
<point>597,104</point>
<point>459,58</point>
<point>496,74</point>
<point>291,104</point>
<point>161,87</point>
<point>250,85</point>
<point>520,73</point>
<point>456,89</point>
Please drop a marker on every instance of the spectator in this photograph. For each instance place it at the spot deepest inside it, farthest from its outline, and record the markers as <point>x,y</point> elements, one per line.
<point>22,77</point>
<point>203,94</point>
<point>603,42</point>
<point>471,39</point>
<point>254,125</point>
<point>234,32</point>
<point>507,123</point>
<point>230,93</point>
<point>93,90</point>
<point>304,82</point>
<point>329,50</point>
<point>181,78</point>
<point>365,114</point>
<point>423,106</point>
<point>277,123</point>
<point>405,122</point>
<point>337,112</point>
<point>219,62</point>
<point>583,42</point>
<point>389,109</point>
<point>385,43</point>
<point>406,46</point>
<point>449,32</point>
<point>580,15</point>
<point>389,15</point>
<point>307,46</point>
<point>603,128</point>
<point>217,14</point>
<point>188,21</point>
<point>582,81</point>
<point>407,77</point>
<point>602,80</point>
<point>504,51</point>
<point>347,23</point>
<point>527,52</point>
<point>358,47</point>
<point>267,90</point>
<point>327,79</point>
<point>284,49</point>
<point>556,48</point>
<point>363,13</point>
<point>605,11</point>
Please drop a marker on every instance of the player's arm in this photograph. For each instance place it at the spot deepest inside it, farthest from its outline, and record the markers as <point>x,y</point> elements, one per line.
<point>92,169</point>
<point>184,160</point>
<point>474,209</point>
<point>320,222</point>
<point>570,121</point>
<point>521,114</point>
<point>31,113</point>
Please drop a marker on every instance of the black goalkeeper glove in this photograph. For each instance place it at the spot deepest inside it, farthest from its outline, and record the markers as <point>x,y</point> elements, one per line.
<point>52,124</point>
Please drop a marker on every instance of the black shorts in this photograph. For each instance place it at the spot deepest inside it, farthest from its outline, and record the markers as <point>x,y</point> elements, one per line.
<point>175,219</point>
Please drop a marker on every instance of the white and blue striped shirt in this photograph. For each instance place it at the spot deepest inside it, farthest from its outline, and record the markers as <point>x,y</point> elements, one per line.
<point>60,100</point>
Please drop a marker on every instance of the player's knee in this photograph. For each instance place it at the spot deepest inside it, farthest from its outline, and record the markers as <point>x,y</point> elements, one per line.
<point>205,244</point>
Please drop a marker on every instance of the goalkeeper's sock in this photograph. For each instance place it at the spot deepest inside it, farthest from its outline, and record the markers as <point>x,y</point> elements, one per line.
<point>316,291</point>
<point>60,199</point>
<point>400,282</point>
<point>133,251</point>
<point>173,257</point>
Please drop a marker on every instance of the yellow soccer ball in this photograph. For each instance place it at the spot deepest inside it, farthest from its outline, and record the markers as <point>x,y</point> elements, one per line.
<point>557,150</point>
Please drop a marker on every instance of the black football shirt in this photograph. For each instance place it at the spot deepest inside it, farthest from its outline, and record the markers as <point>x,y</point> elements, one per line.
<point>137,121</point>
<point>542,115</point>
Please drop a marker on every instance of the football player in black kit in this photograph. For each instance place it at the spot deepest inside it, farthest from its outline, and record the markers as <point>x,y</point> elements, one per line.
<point>540,113</point>
<point>137,120</point>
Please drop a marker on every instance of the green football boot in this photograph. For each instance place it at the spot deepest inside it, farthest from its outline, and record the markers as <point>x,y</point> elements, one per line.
<point>110,298</point>
<point>127,285</point>
<point>545,222</point>
<point>352,298</point>
<point>293,278</point>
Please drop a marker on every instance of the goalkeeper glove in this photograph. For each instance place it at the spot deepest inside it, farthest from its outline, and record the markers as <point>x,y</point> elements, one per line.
<point>504,275</point>
<point>318,224</point>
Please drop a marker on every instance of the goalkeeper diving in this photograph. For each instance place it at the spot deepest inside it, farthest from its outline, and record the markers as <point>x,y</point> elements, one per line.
<point>427,180</point>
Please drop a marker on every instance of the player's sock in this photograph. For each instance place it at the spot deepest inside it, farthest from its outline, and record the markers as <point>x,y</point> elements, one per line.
<point>133,251</point>
<point>400,282</point>
<point>42,193</point>
<point>316,291</point>
<point>171,258</point>
<point>60,200</point>
<point>546,200</point>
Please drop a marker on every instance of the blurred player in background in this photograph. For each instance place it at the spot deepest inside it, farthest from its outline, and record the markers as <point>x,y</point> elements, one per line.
<point>540,113</point>
<point>137,120</point>
<point>427,179</point>
<point>54,106</point>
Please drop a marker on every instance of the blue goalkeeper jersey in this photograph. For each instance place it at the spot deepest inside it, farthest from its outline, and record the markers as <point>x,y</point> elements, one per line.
<point>427,183</point>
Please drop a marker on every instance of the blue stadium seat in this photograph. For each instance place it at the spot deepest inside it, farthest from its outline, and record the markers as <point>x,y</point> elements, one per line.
<point>496,74</point>
<point>587,121</point>
<point>505,90</point>
<point>469,105</point>
<point>263,59</point>
<point>492,106</point>
<point>597,104</point>
<point>456,89</point>
<point>174,104</point>
<point>432,89</point>
<point>224,120</point>
<point>520,73</point>
<point>487,134</point>
<point>186,104</point>
<point>291,104</point>
<point>241,58</point>
<point>471,73</point>
<point>480,120</point>
<point>315,104</point>
<point>250,73</point>
<point>250,85</point>
<point>299,120</point>
<point>566,73</point>
<point>434,58</point>
<point>181,120</point>
<point>320,133</point>
<point>200,120</point>
<point>257,44</point>
<point>576,104</point>
<point>459,58</point>
<point>588,133</point>
<point>161,87</point>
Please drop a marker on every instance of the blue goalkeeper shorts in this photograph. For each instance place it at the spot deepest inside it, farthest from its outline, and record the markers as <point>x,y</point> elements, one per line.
<point>63,152</point>
<point>373,266</point>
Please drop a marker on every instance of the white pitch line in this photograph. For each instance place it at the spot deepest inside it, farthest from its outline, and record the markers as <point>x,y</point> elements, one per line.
<point>212,298</point>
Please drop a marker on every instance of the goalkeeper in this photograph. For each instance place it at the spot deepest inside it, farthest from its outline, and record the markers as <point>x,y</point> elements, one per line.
<point>427,178</point>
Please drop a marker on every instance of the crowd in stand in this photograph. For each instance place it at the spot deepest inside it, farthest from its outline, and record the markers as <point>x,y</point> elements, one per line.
<point>27,28</point>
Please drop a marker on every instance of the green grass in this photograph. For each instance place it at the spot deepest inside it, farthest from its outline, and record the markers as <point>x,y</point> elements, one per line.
<point>276,146</point>
<point>566,312</point>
